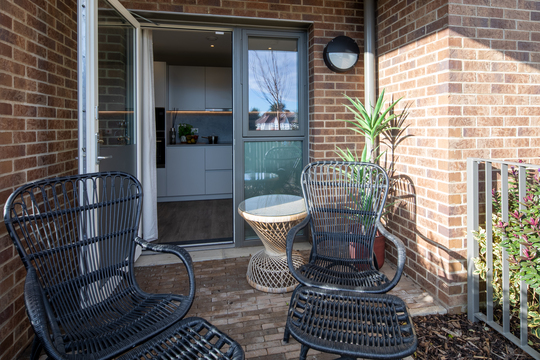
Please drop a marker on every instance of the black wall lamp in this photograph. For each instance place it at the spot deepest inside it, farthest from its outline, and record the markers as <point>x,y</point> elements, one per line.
<point>341,54</point>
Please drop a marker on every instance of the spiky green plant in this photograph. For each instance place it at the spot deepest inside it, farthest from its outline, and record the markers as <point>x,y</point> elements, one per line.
<point>371,124</point>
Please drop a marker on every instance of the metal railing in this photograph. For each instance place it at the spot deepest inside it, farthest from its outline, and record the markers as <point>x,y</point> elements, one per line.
<point>474,194</point>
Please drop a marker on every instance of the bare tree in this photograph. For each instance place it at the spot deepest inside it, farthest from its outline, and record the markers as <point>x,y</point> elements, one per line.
<point>271,77</point>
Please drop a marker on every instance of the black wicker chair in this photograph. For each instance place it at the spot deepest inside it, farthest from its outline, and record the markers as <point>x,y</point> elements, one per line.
<point>337,308</point>
<point>77,236</point>
<point>286,162</point>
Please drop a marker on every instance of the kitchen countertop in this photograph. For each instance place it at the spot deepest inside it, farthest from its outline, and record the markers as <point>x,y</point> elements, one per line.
<point>201,144</point>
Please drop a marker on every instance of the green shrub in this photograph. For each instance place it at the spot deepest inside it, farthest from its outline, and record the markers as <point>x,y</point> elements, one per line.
<point>522,229</point>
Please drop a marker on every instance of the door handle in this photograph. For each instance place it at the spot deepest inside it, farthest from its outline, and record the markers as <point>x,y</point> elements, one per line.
<point>99,158</point>
<point>100,141</point>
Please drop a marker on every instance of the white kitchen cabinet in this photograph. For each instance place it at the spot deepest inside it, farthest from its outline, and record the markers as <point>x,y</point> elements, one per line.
<point>218,158</point>
<point>219,166</point>
<point>218,182</point>
<point>187,87</point>
<point>160,84</point>
<point>161,182</point>
<point>186,173</point>
<point>218,88</point>
<point>198,172</point>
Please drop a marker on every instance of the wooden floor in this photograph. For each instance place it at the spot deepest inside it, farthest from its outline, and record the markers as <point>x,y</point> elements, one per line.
<point>193,221</point>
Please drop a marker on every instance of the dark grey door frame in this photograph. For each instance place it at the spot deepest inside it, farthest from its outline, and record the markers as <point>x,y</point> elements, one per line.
<point>240,114</point>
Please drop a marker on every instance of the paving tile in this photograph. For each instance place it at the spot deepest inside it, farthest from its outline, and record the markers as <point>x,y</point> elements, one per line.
<point>253,318</point>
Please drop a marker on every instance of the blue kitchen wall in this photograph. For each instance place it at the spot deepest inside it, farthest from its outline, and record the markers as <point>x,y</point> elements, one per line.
<point>217,124</point>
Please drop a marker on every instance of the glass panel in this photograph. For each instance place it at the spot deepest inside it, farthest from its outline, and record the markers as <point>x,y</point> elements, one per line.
<point>116,83</point>
<point>273,83</point>
<point>116,77</point>
<point>271,167</point>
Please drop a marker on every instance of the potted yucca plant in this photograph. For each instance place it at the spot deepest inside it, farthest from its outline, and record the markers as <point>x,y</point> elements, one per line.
<point>373,124</point>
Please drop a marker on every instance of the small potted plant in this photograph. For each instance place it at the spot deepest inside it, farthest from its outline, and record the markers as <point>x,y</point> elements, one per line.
<point>184,130</point>
<point>380,121</point>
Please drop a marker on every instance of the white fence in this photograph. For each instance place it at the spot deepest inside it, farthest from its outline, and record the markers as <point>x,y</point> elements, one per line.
<point>475,198</point>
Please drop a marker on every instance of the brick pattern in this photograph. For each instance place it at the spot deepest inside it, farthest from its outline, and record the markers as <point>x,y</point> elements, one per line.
<point>413,61</point>
<point>326,88</point>
<point>38,127</point>
<point>471,73</point>
<point>253,318</point>
<point>115,82</point>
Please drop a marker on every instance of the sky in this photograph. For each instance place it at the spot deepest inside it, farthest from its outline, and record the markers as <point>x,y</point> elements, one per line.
<point>287,62</point>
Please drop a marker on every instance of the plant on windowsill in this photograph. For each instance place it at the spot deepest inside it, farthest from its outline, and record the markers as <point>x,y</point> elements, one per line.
<point>380,121</point>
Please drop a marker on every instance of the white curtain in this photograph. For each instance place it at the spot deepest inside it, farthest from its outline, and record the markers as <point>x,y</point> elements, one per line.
<point>148,132</point>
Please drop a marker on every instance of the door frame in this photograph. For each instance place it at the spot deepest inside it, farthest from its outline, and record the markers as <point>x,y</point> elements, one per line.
<point>238,31</point>
<point>240,113</point>
<point>88,96</point>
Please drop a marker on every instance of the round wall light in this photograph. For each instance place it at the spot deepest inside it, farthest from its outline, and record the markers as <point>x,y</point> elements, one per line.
<point>341,54</point>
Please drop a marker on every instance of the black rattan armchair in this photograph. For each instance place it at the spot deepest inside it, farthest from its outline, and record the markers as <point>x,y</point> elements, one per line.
<point>338,307</point>
<point>344,202</point>
<point>76,237</point>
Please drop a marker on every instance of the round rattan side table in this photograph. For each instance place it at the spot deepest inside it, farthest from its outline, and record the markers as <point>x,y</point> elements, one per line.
<point>271,217</point>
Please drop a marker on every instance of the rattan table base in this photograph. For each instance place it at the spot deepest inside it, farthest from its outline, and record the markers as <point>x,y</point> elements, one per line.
<point>271,217</point>
<point>270,273</point>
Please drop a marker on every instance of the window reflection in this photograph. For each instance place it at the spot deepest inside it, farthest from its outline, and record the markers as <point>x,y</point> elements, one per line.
<point>271,167</point>
<point>116,78</point>
<point>273,84</point>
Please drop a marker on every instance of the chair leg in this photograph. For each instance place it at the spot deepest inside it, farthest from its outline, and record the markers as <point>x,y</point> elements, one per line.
<point>286,335</point>
<point>36,349</point>
<point>303,352</point>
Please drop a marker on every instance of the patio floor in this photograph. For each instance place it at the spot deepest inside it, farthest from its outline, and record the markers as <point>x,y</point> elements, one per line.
<point>253,318</point>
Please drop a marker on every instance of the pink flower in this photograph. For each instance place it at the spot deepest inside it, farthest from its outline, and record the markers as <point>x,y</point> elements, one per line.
<point>526,253</point>
<point>502,225</point>
<point>528,198</point>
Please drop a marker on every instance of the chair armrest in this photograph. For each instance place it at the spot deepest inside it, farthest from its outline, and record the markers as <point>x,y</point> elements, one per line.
<point>178,251</point>
<point>401,254</point>
<point>291,235</point>
<point>38,315</point>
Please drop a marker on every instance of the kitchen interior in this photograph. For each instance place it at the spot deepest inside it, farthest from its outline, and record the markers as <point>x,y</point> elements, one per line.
<point>194,136</point>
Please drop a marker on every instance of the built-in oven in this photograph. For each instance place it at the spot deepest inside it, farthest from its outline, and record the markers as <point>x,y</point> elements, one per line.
<point>160,137</point>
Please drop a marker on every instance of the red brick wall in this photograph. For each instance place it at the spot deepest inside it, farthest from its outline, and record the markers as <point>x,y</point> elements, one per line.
<point>414,61</point>
<point>330,19</point>
<point>38,102</point>
<point>496,95</point>
<point>38,127</point>
<point>471,74</point>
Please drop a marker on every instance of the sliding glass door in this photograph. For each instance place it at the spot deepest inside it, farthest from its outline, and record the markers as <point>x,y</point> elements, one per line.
<point>272,121</point>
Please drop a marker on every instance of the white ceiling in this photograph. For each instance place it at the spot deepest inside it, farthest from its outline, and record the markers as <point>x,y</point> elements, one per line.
<point>192,48</point>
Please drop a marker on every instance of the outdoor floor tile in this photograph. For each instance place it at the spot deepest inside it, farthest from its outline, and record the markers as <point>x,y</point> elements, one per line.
<point>253,318</point>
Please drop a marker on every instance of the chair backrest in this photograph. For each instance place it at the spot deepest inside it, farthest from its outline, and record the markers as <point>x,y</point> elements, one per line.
<point>345,200</point>
<point>286,162</point>
<point>77,233</point>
